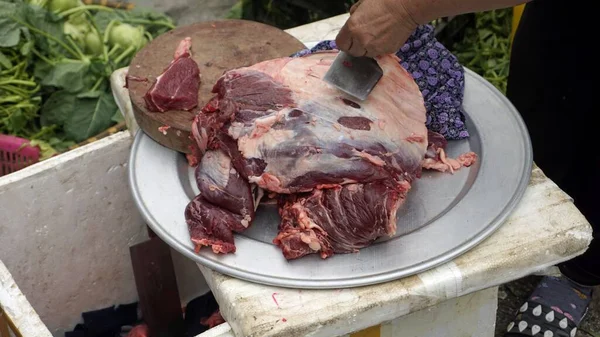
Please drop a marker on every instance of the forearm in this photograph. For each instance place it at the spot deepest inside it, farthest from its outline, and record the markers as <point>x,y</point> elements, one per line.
<point>424,11</point>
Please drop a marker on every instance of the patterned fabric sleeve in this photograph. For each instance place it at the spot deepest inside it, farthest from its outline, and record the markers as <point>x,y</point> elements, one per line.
<point>438,74</point>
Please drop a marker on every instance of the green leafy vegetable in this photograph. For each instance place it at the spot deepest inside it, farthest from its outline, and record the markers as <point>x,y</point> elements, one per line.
<point>62,5</point>
<point>5,61</point>
<point>485,46</point>
<point>57,108</point>
<point>56,58</point>
<point>93,44</point>
<point>68,75</point>
<point>125,35</point>
<point>93,114</point>
<point>9,32</point>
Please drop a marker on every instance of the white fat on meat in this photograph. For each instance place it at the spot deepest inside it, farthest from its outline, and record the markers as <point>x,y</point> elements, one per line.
<point>395,109</point>
<point>216,167</point>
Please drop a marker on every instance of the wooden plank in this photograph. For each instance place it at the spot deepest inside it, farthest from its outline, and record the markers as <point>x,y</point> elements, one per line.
<point>157,288</point>
<point>151,233</point>
<point>3,325</point>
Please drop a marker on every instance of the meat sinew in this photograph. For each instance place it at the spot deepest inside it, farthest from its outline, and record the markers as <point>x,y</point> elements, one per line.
<point>176,88</point>
<point>340,168</point>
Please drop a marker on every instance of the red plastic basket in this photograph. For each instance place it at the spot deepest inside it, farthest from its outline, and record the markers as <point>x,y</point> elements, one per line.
<point>15,154</point>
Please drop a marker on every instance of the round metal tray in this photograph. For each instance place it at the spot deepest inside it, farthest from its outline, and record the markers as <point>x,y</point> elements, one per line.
<point>444,215</point>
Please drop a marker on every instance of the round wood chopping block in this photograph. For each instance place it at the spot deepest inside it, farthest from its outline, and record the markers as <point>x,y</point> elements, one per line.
<point>217,46</point>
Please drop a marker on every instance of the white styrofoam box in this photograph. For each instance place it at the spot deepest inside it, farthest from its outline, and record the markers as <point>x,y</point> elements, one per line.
<point>473,315</point>
<point>16,309</point>
<point>66,226</point>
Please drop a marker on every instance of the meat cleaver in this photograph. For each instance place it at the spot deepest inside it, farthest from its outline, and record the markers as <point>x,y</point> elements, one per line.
<point>356,76</point>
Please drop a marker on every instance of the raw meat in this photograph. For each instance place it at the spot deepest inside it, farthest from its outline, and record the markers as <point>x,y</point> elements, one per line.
<point>224,205</point>
<point>213,320</point>
<point>176,88</point>
<point>341,219</point>
<point>436,158</point>
<point>341,169</point>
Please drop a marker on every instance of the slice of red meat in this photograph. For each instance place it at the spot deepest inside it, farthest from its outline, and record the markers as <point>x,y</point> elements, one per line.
<point>341,219</point>
<point>225,204</point>
<point>176,88</point>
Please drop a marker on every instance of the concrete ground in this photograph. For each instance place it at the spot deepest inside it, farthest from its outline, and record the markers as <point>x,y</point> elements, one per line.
<point>511,295</point>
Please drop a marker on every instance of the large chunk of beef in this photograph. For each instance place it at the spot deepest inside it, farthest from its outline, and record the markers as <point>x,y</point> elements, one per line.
<point>342,168</point>
<point>176,88</point>
<point>292,132</point>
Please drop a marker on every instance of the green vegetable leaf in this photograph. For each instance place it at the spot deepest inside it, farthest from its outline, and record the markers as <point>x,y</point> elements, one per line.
<point>41,69</point>
<point>58,108</point>
<point>68,74</point>
<point>17,121</point>
<point>153,22</point>
<point>43,20</point>
<point>90,94</point>
<point>118,117</point>
<point>484,33</point>
<point>92,115</point>
<point>5,61</point>
<point>10,31</point>
<point>46,150</point>
<point>26,48</point>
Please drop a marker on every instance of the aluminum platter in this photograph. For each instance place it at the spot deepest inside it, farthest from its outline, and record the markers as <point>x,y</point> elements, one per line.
<point>444,216</point>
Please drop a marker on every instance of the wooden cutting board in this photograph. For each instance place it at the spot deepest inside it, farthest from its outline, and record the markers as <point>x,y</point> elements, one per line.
<point>217,46</point>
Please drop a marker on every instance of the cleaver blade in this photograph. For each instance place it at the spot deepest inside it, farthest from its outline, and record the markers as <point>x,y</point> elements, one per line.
<point>356,76</point>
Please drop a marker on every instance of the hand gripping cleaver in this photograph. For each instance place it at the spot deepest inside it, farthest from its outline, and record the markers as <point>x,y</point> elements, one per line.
<point>356,76</point>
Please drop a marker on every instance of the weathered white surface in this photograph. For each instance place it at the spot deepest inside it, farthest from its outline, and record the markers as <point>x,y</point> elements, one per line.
<point>223,330</point>
<point>65,230</point>
<point>544,230</point>
<point>17,309</point>
<point>121,95</point>
<point>321,30</point>
<point>469,315</point>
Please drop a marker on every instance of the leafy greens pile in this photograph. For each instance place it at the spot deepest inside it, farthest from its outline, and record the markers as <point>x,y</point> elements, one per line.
<point>56,58</point>
<point>485,46</point>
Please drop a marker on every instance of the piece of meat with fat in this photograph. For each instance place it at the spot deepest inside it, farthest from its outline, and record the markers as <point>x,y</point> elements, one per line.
<point>341,168</point>
<point>342,219</point>
<point>176,88</point>
<point>436,158</point>
<point>225,204</point>
<point>288,131</point>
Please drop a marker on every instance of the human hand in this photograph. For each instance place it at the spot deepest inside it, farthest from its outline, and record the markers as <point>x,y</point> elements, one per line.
<point>376,27</point>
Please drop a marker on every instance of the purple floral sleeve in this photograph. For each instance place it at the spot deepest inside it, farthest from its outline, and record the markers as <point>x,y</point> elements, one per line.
<point>439,76</point>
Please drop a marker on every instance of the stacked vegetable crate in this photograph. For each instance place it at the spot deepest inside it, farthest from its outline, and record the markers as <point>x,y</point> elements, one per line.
<point>56,57</point>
